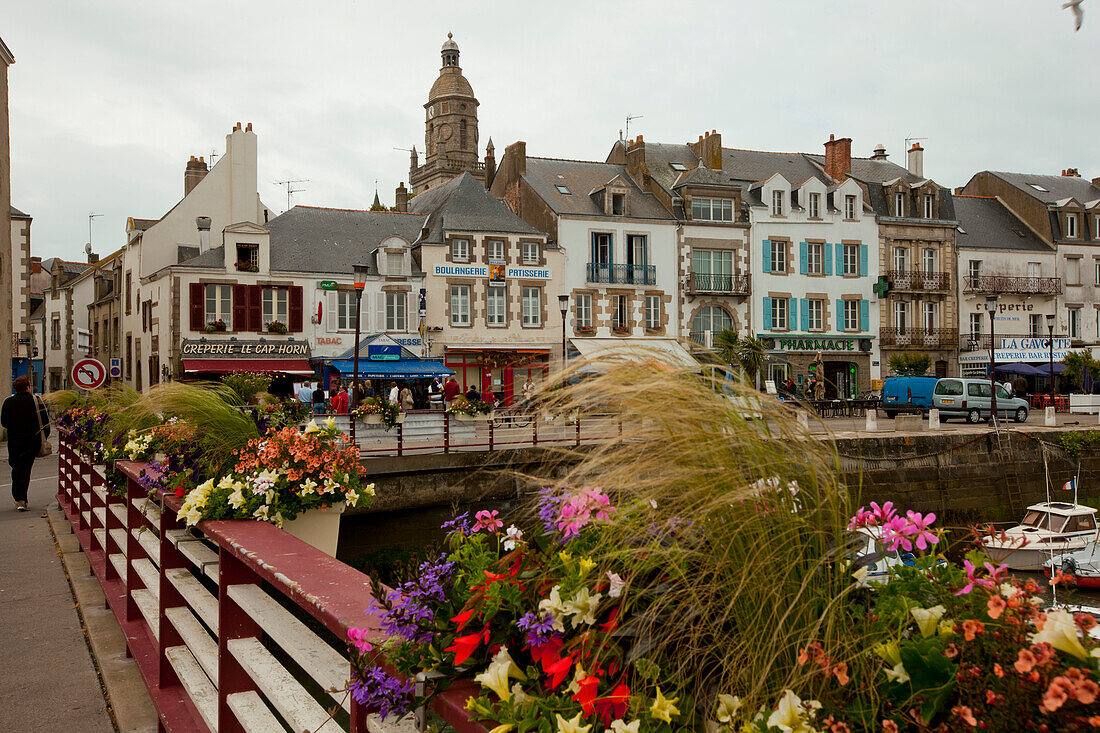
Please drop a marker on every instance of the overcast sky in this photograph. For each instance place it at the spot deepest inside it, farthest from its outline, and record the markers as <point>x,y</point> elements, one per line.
<point>109,99</point>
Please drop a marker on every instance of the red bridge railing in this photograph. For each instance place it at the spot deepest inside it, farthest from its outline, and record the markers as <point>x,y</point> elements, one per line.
<point>235,625</point>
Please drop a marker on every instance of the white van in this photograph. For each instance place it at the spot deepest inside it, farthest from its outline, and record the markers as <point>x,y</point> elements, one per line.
<point>970,398</point>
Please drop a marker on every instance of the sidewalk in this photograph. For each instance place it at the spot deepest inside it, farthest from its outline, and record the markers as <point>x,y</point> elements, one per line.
<point>49,682</point>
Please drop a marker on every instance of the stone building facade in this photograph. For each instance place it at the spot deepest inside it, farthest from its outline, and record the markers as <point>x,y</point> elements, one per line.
<point>7,263</point>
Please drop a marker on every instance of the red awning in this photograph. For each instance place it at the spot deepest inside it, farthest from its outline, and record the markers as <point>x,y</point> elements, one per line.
<point>225,366</point>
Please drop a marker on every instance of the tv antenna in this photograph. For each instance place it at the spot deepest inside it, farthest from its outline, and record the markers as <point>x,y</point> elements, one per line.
<point>630,117</point>
<point>912,139</point>
<point>88,249</point>
<point>212,156</point>
<point>290,190</point>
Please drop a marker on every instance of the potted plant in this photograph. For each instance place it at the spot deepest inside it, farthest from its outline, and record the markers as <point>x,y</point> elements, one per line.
<point>247,266</point>
<point>620,330</point>
<point>586,330</point>
<point>378,411</point>
<point>464,410</point>
<point>215,326</point>
<point>276,327</point>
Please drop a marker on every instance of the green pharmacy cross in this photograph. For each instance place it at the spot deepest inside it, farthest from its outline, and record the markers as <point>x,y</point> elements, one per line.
<point>882,286</point>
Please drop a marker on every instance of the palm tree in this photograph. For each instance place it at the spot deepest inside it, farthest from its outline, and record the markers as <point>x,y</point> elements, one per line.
<point>727,344</point>
<point>747,352</point>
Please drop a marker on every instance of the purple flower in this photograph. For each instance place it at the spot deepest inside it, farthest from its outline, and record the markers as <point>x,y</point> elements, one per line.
<point>376,690</point>
<point>540,629</point>
<point>408,609</point>
<point>461,523</point>
<point>549,505</point>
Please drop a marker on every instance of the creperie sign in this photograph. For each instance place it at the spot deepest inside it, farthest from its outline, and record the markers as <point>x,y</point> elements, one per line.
<point>245,349</point>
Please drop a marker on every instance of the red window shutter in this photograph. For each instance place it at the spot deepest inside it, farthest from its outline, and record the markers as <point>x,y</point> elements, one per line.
<point>255,311</point>
<point>295,313</point>
<point>198,308</point>
<point>240,308</point>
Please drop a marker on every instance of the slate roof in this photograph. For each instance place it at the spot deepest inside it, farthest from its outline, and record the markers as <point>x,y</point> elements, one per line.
<point>660,156</point>
<point>67,267</point>
<point>17,214</point>
<point>142,224</point>
<point>751,166</point>
<point>703,176</point>
<point>313,239</point>
<point>464,205</point>
<point>1058,187</point>
<point>874,173</point>
<point>984,223</point>
<point>582,177</point>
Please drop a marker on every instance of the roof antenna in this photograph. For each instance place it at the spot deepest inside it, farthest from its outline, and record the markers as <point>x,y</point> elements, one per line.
<point>212,156</point>
<point>911,139</point>
<point>630,117</point>
<point>290,188</point>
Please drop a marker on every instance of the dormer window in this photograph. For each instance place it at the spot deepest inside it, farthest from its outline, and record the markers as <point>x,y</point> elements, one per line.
<point>711,209</point>
<point>248,257</point>
<point>813,204</point>
<point>1071,226</point>
<point>899,204</point>
<point>849,207</point>
<point>928,206</point>
<point>395,263</point>
<point>618,204</point>
<point>777,203</point>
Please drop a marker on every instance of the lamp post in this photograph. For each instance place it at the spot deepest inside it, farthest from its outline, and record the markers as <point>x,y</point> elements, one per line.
<point>563,306</point>
<point>1050,342</point>
<point>360,272</point>
<point>991,306</point>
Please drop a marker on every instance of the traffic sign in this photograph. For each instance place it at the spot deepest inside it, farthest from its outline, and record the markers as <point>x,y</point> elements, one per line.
<point>116,367</point>
<point>328,285</point>
<point>89,373</point>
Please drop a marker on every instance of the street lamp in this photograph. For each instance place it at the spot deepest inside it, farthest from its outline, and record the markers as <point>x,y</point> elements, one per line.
<point>991,307</point>
<point>360,276</point>
<point>1050,342</point>
<point>563,306</point>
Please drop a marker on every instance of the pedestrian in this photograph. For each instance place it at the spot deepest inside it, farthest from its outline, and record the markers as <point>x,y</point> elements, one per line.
<point>28,424</point>
<point>406,399</point>
<point>341,402</point>
<point>368,390</point>
<point>394,393</point>
<point>318,399</point>
<point>528,389</point>
<point>472,395</point>
<point>1019,386</point>
<point>451,390</point>
<point>305,393</point>
<point>435,394</point>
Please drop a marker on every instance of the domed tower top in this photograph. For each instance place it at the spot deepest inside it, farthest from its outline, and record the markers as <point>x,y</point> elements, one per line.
<point>450,51</point>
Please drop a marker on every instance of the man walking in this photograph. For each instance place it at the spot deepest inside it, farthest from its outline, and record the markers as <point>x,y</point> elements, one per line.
<point>26,420</point>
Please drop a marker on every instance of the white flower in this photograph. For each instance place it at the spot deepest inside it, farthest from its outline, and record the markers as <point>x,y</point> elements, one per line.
<point>309,486</point>
<point>226,482</point>
<point>617,585</point>
<point>352,497</point>
<point>618,726</point>
<point>792,715</point>
<point>582,607</point>
<point>519,697</point>
<point>369,490</point>
<point>652,503</point>
<point>261,512</point>
<point>330,423</point>
<point>553,605</point>
<point>898,674</point>
<point>312,427</point>
<point>1060,631</point>
<point>927,619</point>
<point>513,535</point>
<point>728,705</point>
<point>236,499</point>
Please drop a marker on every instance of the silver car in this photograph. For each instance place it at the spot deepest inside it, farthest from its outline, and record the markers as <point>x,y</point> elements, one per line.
<point>970,398</point>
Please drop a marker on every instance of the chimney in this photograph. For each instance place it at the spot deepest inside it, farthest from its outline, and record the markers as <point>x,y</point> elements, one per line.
<point>709,149</point>
<point>202,223</point>
<point>193,173</point>
<point>916,160</point>
<point>1071,173</point>
<point>880,152</point>
<point>518,152</point>
<point>490,163</point>
<point>401,198</point>
<point>92,258</point>
<point>838,157</point>
<point>36,265</point>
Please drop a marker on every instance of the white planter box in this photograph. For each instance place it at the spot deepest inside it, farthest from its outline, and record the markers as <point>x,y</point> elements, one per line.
<point>318,527</point>
<point>1084,403</point>
<point>372,419</point>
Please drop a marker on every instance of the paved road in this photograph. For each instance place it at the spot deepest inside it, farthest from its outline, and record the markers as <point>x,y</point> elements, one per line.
<point>856,426</point>
<point>47,679</point>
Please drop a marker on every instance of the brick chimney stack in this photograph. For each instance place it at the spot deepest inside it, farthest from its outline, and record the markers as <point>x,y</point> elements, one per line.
<point>916,160</point>
<point>838,157</point>
<point>194,172</point>
<point>401,198</point>
<point>36,265</point>
<point>709,149</point>
<point>517,151</point>
<point>1071,173</point>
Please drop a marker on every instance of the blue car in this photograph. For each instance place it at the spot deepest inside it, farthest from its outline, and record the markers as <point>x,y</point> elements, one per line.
<point>907,394</point>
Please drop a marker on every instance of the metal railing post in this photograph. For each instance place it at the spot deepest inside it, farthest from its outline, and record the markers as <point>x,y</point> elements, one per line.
<point>535,431</point>
<point>400,439</point>
<point>578,445</point>
<point>490,433</point>
<point>446,432</point>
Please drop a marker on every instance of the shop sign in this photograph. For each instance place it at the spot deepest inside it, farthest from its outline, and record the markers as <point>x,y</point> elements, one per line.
<point>1010,356</point>
<point>493,272</point>
<point>408,340</point>
<point>384,352</point>
<point>1033,344</point>
<point>812,343</point>
<point>245,349</point>
<point>329,340</point>
<point>328,285</point>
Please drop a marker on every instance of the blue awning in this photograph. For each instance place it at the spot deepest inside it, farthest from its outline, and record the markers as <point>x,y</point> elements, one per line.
<point>398,369</point>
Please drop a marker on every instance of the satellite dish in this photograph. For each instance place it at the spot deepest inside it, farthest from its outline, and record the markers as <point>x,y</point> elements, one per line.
<point>88,248</point>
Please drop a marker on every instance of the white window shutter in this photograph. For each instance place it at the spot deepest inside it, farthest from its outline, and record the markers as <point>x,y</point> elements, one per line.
<point>331,300</point>
<point>379,323</point>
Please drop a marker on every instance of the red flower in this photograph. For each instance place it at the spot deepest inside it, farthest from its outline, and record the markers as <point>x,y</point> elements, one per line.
<point>180,491</point>
<point>547,652</point>
<point>463,618</point>
<point>464,646</point>
<point>586,695</point>
<point>613,705</point>
<point>612,621</point>
<point>558,671</point>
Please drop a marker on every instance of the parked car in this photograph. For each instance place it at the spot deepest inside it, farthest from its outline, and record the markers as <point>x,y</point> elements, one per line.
<point>907,394</point>
<point>971,399</point>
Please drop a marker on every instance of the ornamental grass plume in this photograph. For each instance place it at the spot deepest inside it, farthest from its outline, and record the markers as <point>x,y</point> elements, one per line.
<point>728,519</point>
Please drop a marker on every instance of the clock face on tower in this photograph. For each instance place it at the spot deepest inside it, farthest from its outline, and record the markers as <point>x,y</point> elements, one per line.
<point>444,132</point>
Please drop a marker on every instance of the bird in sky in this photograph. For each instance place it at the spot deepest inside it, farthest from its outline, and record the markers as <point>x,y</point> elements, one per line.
<point>1078,13</point>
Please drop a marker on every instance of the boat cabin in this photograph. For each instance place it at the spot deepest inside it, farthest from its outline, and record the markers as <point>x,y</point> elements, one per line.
<point>1059,517</point>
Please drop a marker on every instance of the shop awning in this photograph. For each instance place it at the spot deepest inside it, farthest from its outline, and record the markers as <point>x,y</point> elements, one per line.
<point>397,369</point>
<point>610,351</point>
<point>225,366</point>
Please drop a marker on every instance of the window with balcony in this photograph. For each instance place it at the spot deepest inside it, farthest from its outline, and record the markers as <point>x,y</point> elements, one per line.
<point>928,260</point>
<point>1071,226</point>
<point>712,318</point>
<point>851,315</point>
<point>778,256</point>
<point>974,268</point>
<point>976,320</point>
<point>849,207</point>
<point>532,306</point>
<point>1074,322</point>
<point>901,316</point>
<point>345,310</point>
<point>395,312</point>
<point>711,209</point>
<point>601,249</point>
<point>653,312</point>
<point>777,203</point>
<point>636,252</point>
<point>815,315</point>
<point>219,305</point>
<point>901,258</point>
<point>779,314</point>
<point>815,258</point>
<point>815,206</point>
<point>712,270</point>
<point>929,207</point>
<point>275,306</point>
<point>928,316</point>
<point>531,253</point>
<point>494,305</point>
<point>460,305</point>
<point>460,250</point>
<point>851,259</point>
<point>899,204</point>
<point>495,248</point>
<point>582,309</point>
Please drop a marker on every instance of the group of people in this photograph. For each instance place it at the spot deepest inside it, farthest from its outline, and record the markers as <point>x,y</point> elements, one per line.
<point>815,388</point>
<point>415,394</point>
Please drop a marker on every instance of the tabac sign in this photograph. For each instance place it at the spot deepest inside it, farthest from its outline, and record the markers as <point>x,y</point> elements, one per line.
<point>246,349</point>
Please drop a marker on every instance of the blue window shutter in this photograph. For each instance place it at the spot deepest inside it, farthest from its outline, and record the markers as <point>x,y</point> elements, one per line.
<point>767,255</point>
<point>839,259</point>
<point>792,314</point>
<point>803,258</point>
<point>839,321</point>
<point>863,260</point>
<point>805,314</point>
<point>592,248</point>
<point>611,248</point>
<point>864,315</point>
<point>767,314</point>
<point>828,258</point>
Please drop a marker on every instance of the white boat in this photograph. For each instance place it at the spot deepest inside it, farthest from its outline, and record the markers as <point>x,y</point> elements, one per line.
<point>867,550</point>
<point>1047,529</point>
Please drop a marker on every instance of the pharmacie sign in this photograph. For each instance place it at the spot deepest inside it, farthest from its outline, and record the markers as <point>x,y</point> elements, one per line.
<point>813,343</point>
<point>246,349</point>
<point>484,272</point>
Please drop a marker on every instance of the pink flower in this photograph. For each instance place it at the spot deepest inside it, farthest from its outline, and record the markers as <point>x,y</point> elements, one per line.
<point>862,518</point>
<point>983,582</point>
<point>358,639</point>
<point>883,513</point>
<point>918,526</point>
<point>488,521</point>
<point>894,534</point>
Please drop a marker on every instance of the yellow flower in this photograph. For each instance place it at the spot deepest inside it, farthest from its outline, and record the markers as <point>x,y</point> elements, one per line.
<point>369,490</point>
<point>1060,631</point>
<point>927,619</point>
<point>312,427</point>
<point>309,486</point>
<point>351,497</point>
<point>503,727</point>
<point>573,725</point>
<point>791,715</point>
<point>618,726</point>
<point>663,708</point>
<point>889,651</point>
<point>498,672</point>
<point>236,499</point>
<point>728,705</point>
<point>330,423</point>
<point>565,557</point>
<point>586,565</point>
<point>226,482</point>
<point>898,674</point>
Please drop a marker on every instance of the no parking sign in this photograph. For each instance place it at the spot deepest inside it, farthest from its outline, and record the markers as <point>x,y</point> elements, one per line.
<point>89,373</point>
<point>116,367</point>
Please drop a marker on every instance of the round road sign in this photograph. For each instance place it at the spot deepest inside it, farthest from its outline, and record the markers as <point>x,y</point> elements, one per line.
<point>89,373</point>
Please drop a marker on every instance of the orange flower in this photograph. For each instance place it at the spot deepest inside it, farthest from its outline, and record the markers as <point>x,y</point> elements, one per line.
<point>1085,621</point>
<point>951,651</point>
<point>972,628</point>
<point>840,671</point>
<point>966,714</point>
<point>990,697</point>
<point>1087,692</point>
<point>995,607</point>
<point>1057,694</point>
<point>998,670</point>
<point>1025,661</point>
<point>1094,721</point>
<point>889,726</point>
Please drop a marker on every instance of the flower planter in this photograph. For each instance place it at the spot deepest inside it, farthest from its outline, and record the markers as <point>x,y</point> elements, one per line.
<point>318,527</point>
<point>463,417</point>
<point>372,419</point>
<point>400,418</point>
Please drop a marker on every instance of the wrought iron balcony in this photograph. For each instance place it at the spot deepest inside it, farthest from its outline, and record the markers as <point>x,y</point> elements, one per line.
<point>974,342</point>
<point>727,284</point>
<point>917,280</point>
<point>918,338</point>
<point>1012,284</point>
<point>599,272</point>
